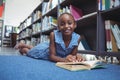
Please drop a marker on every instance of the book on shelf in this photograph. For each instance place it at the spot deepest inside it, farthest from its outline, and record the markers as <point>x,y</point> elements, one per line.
<point>107,4</point>
<point>76,12</point>
<point>113,42</point>
<point>113,32</point>
<point>44,7</point>
<point>116,34</point>
<point>63,10</point>
<point>49,5</point>
<point>83,45</point>
<point>108,37</point>
<point>84,65</point>
<point>103,4</point>
<point>99,4</point>
<point>54,3</point>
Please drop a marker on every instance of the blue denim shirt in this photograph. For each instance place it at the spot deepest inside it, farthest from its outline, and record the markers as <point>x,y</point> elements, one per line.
<point>61,49</point>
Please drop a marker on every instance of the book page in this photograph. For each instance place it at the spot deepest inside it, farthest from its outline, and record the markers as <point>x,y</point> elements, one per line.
<point>84,65</point>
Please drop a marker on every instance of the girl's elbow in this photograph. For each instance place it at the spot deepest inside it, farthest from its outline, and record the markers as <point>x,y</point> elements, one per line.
<point>51,57</point>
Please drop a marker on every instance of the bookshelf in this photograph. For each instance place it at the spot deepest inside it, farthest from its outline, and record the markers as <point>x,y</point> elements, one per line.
<point>1,28</point>
<point>91,24</point>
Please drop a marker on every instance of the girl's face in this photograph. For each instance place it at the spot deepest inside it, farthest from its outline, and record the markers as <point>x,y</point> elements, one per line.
<point>66,24</point>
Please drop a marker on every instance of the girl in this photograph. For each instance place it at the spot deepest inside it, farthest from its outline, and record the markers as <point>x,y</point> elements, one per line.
<point>63,43</point>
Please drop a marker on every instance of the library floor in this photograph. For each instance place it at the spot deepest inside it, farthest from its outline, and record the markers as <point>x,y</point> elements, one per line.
<point>8,51</point>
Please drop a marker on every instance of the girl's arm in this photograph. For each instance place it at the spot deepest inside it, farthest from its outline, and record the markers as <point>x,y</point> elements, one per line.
<point>53,56</point>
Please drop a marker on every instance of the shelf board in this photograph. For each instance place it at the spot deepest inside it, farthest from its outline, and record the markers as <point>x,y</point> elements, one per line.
<point>47,32</point>
<point>87,52</point>
<point>111,13</point>
<point>37,34</point>
<point>104,53</point>
<point>51,12</point>
<point>88,19</point>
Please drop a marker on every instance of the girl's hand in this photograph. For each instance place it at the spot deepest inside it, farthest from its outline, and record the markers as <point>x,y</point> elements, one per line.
<point>70,58</point>
<point>74,58</point>
<point>79,58</point>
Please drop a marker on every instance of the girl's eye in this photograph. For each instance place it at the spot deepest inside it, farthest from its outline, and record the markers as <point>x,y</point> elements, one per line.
<point>70,23</point>
<point>61,24</point>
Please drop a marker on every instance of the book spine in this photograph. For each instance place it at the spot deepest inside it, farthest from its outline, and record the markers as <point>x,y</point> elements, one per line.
<point>108,39</point>
<point>118,34</point>
<point>107,4</point>
<point>103,4</point>
<point>85,44</point>
<point>100,5</point>
<point>114,45</point>
<point>76,12</point>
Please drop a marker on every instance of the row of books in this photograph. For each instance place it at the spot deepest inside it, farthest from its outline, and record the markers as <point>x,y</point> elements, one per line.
<point>32,18</point>
<point>83,45</point>
<point>108,59</point>
<point>47,6</point>
<point>76,12</point>
<point>36,28</point>
<point>49,22</point>
<point>112,29</point>
<point>44,38</point>
<point>34,41</point>
<point>22,26</point>
<point>25,33</point>
<point>107,4</point>
<point>36,15</point>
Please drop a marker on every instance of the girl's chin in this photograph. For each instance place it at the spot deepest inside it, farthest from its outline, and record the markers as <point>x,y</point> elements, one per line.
<point>67,34</point>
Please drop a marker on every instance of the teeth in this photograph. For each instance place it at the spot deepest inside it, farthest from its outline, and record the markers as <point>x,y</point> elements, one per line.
<point>66,30</point>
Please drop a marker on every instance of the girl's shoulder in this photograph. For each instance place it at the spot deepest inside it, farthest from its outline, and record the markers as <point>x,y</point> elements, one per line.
<point>56,33</point>
<point>76,35</point>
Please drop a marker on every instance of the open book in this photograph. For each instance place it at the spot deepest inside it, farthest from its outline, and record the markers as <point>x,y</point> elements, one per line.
<point>85,65</point>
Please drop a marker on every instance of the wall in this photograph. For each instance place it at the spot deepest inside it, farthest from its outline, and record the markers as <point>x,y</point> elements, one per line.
<point>18,10</point>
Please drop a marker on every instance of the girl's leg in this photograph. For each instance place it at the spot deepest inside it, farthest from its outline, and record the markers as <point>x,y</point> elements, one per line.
<point>24,50</point>
<point>23,45</point>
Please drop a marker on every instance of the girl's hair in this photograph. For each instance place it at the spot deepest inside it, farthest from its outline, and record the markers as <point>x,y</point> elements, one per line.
<point>67,14</point>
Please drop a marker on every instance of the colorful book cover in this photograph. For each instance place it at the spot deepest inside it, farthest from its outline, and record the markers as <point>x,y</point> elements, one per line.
<point>76,12</point>
<point>107,4</point>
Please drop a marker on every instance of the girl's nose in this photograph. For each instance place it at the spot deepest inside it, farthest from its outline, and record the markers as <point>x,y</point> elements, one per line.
<point>66,26</point>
